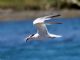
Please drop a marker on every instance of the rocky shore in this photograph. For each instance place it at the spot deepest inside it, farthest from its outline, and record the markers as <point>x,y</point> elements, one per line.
<point>7,15</point>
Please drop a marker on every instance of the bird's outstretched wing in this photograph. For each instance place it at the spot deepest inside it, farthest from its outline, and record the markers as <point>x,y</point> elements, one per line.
<point>42,19</point>
<point>52,16</point>
<point>41,26</point>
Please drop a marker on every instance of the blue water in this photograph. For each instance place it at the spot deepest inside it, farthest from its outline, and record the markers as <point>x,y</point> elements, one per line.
<point>14,47</point>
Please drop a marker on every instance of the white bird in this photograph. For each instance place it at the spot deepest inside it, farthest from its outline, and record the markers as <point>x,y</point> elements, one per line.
<point>42,31</point>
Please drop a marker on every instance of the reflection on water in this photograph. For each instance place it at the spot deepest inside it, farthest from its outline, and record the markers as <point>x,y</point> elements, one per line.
<point>13,46</point>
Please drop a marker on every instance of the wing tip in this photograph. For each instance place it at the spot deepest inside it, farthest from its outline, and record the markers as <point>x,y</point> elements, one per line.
<point>57,15</point>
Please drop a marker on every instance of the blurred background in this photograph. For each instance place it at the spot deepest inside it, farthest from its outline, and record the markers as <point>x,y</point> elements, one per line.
<point>18,9</point>
<point>16,23</point>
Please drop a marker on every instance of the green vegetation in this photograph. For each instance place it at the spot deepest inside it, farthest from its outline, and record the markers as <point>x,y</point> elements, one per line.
<point>14,4</point>
<point>36,4</point>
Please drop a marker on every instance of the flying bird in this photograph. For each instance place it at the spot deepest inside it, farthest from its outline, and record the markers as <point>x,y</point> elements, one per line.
<point>42,31</point>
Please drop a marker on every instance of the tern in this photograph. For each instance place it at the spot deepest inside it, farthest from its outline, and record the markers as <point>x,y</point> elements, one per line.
<point>42,31</point>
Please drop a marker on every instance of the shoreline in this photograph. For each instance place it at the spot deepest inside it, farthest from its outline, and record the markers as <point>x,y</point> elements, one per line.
<point>34,14</point>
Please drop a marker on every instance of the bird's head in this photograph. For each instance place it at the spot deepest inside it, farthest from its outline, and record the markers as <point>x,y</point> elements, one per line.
<point>29,37</point>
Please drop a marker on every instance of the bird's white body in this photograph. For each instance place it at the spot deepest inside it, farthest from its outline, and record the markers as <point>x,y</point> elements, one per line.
<point>42,31</point>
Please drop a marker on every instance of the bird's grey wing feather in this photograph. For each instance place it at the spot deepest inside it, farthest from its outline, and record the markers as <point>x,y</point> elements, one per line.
<point>41,29</point>
<point>52,16</point>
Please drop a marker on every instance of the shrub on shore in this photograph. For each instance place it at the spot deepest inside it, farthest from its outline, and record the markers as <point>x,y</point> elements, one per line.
<point>36,4</point>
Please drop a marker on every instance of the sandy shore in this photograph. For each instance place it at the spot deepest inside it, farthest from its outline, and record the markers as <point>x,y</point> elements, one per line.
<point>34,14</point>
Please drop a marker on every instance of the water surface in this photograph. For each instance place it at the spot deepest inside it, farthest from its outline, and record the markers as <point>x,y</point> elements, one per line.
<point>14,47</point>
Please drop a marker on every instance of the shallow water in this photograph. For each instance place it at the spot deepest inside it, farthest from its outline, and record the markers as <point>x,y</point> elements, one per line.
<point>14,47</point>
